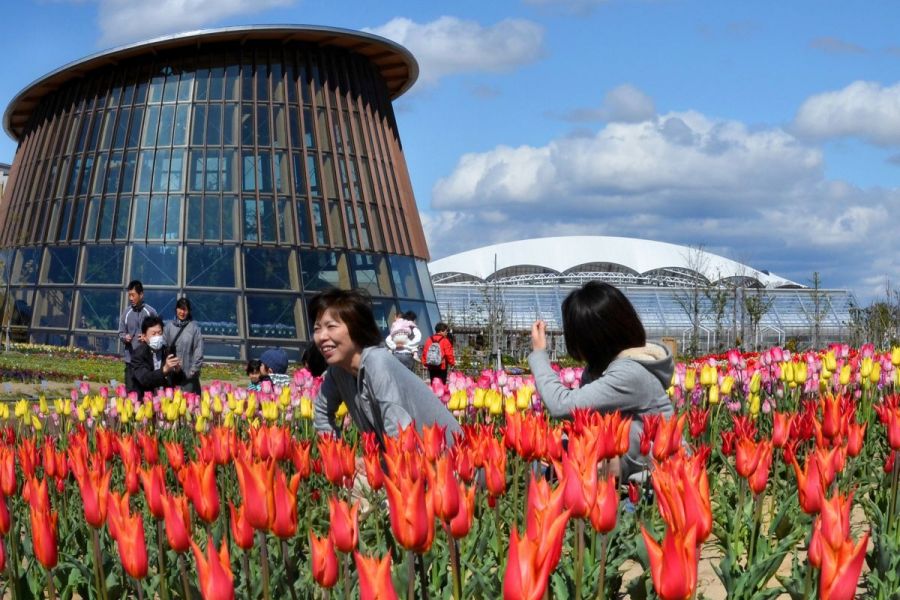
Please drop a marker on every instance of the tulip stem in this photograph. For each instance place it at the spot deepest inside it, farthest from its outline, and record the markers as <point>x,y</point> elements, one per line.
<point>345,567</point>
<point>579,556</point>
<point>289,569</point>
<point>895,481</point>
<point>604,548</point>
<point>51,586</point>
<point>98,564</point>
<point>264,563</point>
<point>454,567</point>
<point>755,532</point>
<point>139,588</point>
<point>161,560</point>
<point>410,575</point>
<point>185,586</point>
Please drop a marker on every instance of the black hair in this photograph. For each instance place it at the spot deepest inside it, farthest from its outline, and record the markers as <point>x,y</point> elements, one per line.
<point>313,360</point>
<point>441,326</point>
<point>253,366</point>
<point>136,285</point>
<point>149,322</point>
<point>598,323</point>
<point>409,315</point>
<point>354,309</point>
<point>186,304</point>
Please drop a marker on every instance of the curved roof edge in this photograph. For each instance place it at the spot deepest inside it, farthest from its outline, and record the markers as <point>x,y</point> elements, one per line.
<point>397,65</point>
<point>565,252</point>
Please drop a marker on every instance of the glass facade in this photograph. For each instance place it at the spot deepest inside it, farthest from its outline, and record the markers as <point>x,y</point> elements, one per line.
<point>245,175</point>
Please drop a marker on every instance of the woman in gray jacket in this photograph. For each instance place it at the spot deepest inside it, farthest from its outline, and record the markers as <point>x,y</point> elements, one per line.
<point>184,338</point>
<point>380,393</point>
<point>623,371</point>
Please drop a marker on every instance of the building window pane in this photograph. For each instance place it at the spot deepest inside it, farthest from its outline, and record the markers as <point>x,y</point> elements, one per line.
<point>166,123</point>
<point>371,273</point>
<point>161,171</point>
<point>312,172</point>
<point>145,174</point>
<point>176,170</point>
<point>112,175</point>
<point>151,122</point>
<point>299,186</point>
<point>232,82</point>
<point>214,125</point>
<point>274,316</point>
<point>263,131</point>
<point>324,270</point>
<point>199,125</point>
<point>351,225</point>
<point>285,221</point>
<point>251,231</point>
<point>318,222</point>
<point>139,227</point>
<point>53,308</point>
<point>269,268</point>
<point>107,218</point>
<point>230,218</point>
<point>282,173</point>
<point>103,264</point>
<point>157,219</point>
<point>230,125</point>
<point>247,125</point>
<point>182,121</point>
<point>155,265</point>
<point>212,230</point>
<point>335,227</point>
<point>21,308</point>
<point>216,83</point>
<point>309,138</point>
<point>134,131</point>
<point>267,220</point>
<point>194,219</point>
<point>173,218</point>
<point>98,309</point>
<point>123,217</point>
<point>303,223</point>
<point>120,136</point>
<point>129,166</point>
<point>209,266</point>
<point>406,280</point>
<point>196,177</point>
<point>202,81</point>
<point>60,265</point>
<point>90,228</point>
<point>216,314</point>
<point>280,127</point>
<point>186,86</point>
<point>229,171</point>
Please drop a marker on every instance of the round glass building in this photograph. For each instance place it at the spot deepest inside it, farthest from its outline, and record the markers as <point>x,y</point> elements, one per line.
<point>245,168</point>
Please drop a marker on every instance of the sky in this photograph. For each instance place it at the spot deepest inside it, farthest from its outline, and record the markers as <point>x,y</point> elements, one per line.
<point>767,132</point>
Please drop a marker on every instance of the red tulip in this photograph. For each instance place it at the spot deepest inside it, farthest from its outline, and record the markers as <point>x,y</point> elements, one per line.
<point>668,437</point>
<point>673,564</point>
<point>634,492</point>
<point>344,524</point>
<point>760,476</point>
<point>495,468</point>
<point>831,415</point>
<point>856,435</point>
<point>648,432</point>
<point>781,428</point>
<point>682,490</point>
<point>177,517</point>
<point>43,536</point>
<point>27,456</point>
<point>199,482</point>
<point>374,472</point>
<point>464,462</point>
<point>728,442</point>
<point>889,415</point>
<point>332,451</point>
<point>214,571</point>
<point>5,519</point>
<point>323,560</point>
<point>241,530</point>
<point>149,447</point>
<point>48,458</point>
<point>154,482</point>
<point>107,443</point>
<point>36,494</point>
<point>256,484</point>
<point>434,441</point>
<point>606,508</point>
<point>130,540</point>
<point>175,455</point>
<point>697,420</point>
<point>375,577</point>
<point>2,555</point>
<point>8,483</point>
<point>444,488</point>
<point>284,516</point>
<point>93,483</point>
<point>462,522</point>
<point>810,486</point>
<point>412,512</point>
<point>546,518</point>
<point>300,458</point>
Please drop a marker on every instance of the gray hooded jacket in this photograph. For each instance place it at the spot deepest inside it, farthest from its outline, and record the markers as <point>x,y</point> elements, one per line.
<point>634,383</point>
<point>382,382</point>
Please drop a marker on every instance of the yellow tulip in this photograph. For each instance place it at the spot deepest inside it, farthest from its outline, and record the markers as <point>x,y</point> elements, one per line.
<point>825,375</point>
<point>204,409</point>
<point>36,423</point>
<point>690,380</point>
<point>829,361</point>
<point>200,425</point>
<point>754,382</point>
<point>229,420</point>
<point>217,405</point>
<point>4,411</point>
<point>714,394</point>
<point>251,406</point>
<point>754,405</point>
<point>306,407</point>
<point>800,373</point>
<point>895,356</point>
<point>172,412</point>
<point>523,397</point>
<point>727,384</point>
<point>510,404</point>
<point>341,411</point>
<point>478,401</point>
<point>82,415</point>
<point>496,404</point>
<point>787,372</point>
<point>285,397</point>
<point>670,391</point>
<point>875,375</point>
<point>21,408</point>
<point>845,375</point>
<point>865,367</point>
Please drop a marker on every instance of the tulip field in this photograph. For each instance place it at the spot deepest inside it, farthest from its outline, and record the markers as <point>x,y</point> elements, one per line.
<point>779,470</point>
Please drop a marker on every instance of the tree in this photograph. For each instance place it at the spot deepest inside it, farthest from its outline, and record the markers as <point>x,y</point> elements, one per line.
<point>690,299</point>
<point>757,305</point>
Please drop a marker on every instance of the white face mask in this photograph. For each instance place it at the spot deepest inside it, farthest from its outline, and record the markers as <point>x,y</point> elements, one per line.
<point>156,342</point>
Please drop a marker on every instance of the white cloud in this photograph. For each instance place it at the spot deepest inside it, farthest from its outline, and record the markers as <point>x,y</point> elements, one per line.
<point>835,45</point>
<point>863,109</point>
<point>624,103</point>
<point>574,6</point>
<point>448,45</point>
<point>123,21</point>
<point>759,196</point>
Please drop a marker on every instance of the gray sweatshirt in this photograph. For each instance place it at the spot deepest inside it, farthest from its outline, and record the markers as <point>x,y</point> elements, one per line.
<point>634,383</point>
<point>384,382</point>
<point>130,324</point>
<point>188,347</point>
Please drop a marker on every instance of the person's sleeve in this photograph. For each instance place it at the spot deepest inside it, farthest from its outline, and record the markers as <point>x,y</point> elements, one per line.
<point>615,390</point>
<point>416,337</point>
<point>385,390</point>
<point>122,331</point>
<point>428,343</point>
<point>389,342</point>
<point>448,351</point>
<point>325,406</point>
<point>143,371</point>
<point>197,358</point>
<point>152,311</point>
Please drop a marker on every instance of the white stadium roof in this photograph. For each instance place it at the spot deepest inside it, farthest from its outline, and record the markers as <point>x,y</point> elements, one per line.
<point>563,255</point>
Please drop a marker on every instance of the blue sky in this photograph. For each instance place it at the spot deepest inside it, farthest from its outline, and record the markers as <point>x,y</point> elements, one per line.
<point>768,132</point>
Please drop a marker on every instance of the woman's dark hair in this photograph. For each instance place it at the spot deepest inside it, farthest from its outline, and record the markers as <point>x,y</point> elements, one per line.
<point>185,304</point>
<point>409,315</point>
<point>253,366</point>
<point>598,323</point>
<point>313,360</point>
<point>149,322</point>
<point>354,309</point>
<point>441,326</point>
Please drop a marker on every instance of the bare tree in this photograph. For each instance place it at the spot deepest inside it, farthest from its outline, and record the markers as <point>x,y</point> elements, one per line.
<point>690,299</point>
<point>757,305</point>
<point>817,316</point>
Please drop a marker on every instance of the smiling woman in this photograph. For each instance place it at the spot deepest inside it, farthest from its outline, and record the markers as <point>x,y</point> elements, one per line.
<point>381,394</point>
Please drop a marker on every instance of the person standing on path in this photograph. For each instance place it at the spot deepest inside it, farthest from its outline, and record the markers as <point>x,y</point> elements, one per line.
<point>184,338</point>
<point>437,353</point>
<point>130,328</point>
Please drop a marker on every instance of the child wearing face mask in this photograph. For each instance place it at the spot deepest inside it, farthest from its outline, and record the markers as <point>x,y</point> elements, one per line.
<point>151,364</point>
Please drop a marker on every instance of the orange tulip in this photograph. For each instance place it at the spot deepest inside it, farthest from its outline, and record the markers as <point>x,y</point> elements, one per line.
<point>673,564</point>
<point>374,472</point>
<point>526,576</point>
<point>682,490</point>
<point>93,483</point>
<point>130,541</point>
<point>747,455</point>
<point>889,415</point>
<point>153,480</point>
<point>464,462</point>
<point>495,468</point>
<point>412,513</point>
<point>433,441</point>
<point>323,560</point>
<point>300,458</point>
<point>256,484</point>
<point>856,435</point>
<point>107,443</point>
<point>214,571</point>
<point>344,524</point>
<point>841,568</point>
<point>241,530</point>
<point>43,536</point>
<point>606,508</point>
<point>375,577</point>
<point>8,483</point>
<point>333,450</point>
<point>175,455</point>
<point>578,474</point>
<point>810,487</point>
<point>36,494</point>
<point>668,436</point>
<point>178,522</point>
<point>759,477</point>
<point>461,523</point>
<point>831,415</point>
<point>284,516</point>
<point>199,482</point>
<point>781,428</point>
<point>149,447</point>
<point>5,519</point>
<point>27,456</point>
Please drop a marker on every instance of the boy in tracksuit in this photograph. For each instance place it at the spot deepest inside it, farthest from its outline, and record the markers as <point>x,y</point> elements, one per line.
<point>130,327</point>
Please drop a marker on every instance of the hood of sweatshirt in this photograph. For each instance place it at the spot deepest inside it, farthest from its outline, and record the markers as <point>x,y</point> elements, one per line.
<point>654,357</point>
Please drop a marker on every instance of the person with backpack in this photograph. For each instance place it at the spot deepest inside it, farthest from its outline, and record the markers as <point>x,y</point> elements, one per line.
<point>437,353</point>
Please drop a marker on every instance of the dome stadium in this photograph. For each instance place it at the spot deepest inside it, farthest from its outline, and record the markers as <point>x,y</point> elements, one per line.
<point>700,300</point>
